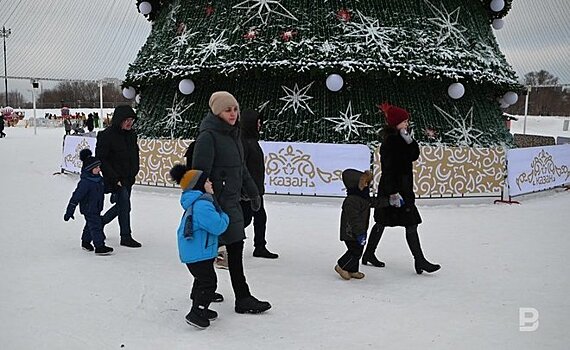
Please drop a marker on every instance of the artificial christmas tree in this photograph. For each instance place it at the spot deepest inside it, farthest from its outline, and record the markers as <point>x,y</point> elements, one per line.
<point>318,70</point>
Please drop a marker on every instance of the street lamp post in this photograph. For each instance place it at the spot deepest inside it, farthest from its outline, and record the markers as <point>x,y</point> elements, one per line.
<point>5,33</point>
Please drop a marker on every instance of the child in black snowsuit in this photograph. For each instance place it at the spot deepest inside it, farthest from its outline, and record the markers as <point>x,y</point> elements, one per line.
<point>89,194</point>
<point>354,221</point>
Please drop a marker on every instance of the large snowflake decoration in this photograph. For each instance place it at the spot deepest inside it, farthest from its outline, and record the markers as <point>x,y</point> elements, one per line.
<point>448,23</point>
<point>348,122</point>
<point>212,48</point>
<point>370,30</point>
<point>181,41</point>
<point>174,115</point>
<point>296,98</point>
<point>263,9</point>
<point>327,48</point>
<point>463,133</point>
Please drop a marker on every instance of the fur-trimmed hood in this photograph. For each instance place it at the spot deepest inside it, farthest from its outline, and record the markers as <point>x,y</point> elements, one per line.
<point>356,179</point>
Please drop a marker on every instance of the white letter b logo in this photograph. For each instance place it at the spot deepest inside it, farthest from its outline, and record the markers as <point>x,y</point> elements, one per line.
<point>528,319</point>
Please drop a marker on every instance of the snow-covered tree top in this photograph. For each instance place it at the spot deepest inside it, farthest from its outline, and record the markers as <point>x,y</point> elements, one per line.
<point>413,38</point>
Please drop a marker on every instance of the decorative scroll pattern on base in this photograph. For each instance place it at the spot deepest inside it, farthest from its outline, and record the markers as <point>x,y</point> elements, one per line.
<point>455,171</point>
<point>157,158</point>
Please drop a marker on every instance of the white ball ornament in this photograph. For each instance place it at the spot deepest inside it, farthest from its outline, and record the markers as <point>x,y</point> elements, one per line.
<point>456,90</point>
<point>510,97</point>
<point>334,82</point>
<point>138,98</point>
<point>145,7</point>
<point>186,86</point>
<point>498,23</point>
<point>129,92</point>
<point>497,5</point>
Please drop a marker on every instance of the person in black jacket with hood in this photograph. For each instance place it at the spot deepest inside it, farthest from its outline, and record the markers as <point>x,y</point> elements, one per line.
<point>118,150</point>
<point>398,152</point>
<point>251,122</point>
<point>354,220</point>
<point>218,152</point>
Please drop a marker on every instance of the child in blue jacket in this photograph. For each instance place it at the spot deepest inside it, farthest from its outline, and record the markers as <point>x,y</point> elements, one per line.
<point>89,194</point>
<point>203,221</point>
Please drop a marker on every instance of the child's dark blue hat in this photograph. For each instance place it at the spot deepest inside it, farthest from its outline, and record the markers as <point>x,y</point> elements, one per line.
<point>89,162</point>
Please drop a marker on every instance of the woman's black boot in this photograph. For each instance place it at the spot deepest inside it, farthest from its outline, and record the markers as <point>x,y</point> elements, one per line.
<point>373,240</point>
<point>420,262</point>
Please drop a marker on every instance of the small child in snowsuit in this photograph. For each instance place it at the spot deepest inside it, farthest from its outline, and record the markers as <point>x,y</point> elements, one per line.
<point>354,221</point>
<point>89,194</point>
<point>203,221</point>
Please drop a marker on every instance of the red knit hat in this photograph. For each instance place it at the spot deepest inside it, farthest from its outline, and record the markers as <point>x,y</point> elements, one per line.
<point>394,115</point>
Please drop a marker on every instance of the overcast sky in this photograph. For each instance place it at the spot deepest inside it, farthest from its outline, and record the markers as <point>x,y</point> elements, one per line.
<point>86,39</point>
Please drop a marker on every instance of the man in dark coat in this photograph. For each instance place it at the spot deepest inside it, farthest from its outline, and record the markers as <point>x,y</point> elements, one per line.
<point>251,122</point>
<point>118,150</point>
<point>398,151</point>
<point>219,153</point>
<point>2,133</point>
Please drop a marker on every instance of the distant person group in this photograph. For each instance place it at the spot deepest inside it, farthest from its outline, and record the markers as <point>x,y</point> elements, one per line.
<point>222,186</point>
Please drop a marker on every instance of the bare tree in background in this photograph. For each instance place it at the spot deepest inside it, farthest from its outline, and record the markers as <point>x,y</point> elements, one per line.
<point>78,94</point>
<point>551,99</point>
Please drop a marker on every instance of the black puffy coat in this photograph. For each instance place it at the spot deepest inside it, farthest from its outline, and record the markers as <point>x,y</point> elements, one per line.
<point>89,194</point>
<point>396,159</point>
<point>355,215</point>
<point>253,154</point>
<point>218,152</point>
<point>118,151</point>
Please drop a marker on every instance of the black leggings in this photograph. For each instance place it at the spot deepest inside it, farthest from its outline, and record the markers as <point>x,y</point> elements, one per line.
<point>235,266</point>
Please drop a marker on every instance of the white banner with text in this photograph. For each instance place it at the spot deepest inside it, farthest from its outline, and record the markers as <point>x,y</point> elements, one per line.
<point>537,168</point>
<point>311,168</point>
<point>72,145</point>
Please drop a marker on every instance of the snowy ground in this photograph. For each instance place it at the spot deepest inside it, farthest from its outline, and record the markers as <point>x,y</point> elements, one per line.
<point>495,259</point>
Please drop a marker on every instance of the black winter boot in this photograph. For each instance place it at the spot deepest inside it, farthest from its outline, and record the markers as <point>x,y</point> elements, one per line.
<point>87,246</point>
<point>129,241</point>
<point>103,250</point>
<point>217,298</point>
<point>197,317</point>
<point>251,305</point>
<point>373,240</point>
<point>262,252</point>
<point>420,262</point>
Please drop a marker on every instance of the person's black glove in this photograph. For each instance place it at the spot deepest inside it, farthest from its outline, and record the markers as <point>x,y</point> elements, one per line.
<point>69,212</point>
<point>255,203</point>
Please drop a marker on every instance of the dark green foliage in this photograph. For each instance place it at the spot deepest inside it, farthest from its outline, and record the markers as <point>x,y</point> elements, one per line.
<point>410,66</point>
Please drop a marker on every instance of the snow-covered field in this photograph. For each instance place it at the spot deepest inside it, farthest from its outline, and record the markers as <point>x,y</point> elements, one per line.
<point>495,260</point>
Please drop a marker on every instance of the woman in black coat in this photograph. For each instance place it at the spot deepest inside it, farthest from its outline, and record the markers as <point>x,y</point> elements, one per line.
<point>218,152</point>
<point>397,154</point>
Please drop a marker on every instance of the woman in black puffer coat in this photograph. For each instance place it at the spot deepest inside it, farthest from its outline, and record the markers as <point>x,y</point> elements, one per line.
<point>397,154</point>
<point>218,152</point>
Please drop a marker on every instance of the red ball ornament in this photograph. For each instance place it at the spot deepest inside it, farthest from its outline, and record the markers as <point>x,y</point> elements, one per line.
<point>344,15</point>
<point>288,35</point>
<point>251,34</point>
<point>209,10</point>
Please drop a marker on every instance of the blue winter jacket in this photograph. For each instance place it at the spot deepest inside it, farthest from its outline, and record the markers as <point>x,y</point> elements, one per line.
<point>207,225</point>
<point>89,194</point>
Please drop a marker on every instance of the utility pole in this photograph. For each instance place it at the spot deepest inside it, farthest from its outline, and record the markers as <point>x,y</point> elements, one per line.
<point>5,33</point>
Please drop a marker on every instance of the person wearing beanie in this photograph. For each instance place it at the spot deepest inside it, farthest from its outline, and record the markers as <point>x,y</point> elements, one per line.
<point>201,224</point>
<point>398,152</point>
<point>354,219</point>
<point>251,122</point>
<point>117,147</point>
<point>218,151</point>
<point>89,194</point>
